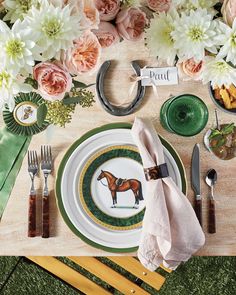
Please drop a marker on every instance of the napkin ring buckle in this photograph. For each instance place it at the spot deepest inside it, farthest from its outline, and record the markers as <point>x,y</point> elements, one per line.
<point>156,172</point>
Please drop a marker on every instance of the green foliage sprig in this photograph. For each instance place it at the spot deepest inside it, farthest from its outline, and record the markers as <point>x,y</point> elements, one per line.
<point>60,112</point>
<point>219,135</point>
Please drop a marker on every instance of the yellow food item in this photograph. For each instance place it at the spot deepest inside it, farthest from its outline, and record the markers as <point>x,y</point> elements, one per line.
<point>226,98</point>
<point>233,104</point>
<point>232,91</point>
<point>217,93</point>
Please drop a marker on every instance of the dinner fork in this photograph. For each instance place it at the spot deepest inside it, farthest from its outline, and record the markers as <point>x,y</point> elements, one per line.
<point>46,167</point>
<point>33,168</point>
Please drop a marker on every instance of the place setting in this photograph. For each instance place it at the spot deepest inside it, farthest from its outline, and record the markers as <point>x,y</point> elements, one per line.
<point>121,186</point>
<point>104,175</point>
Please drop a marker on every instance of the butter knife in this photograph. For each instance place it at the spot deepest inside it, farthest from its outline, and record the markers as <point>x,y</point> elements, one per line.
<point>195,175</point>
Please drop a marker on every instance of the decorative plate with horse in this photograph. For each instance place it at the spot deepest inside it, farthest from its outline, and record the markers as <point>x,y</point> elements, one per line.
<point>122,200</point>
<point>112,187</point>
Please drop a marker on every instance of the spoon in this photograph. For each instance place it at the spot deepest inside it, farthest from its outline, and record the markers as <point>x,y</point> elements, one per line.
<point>217,120</point>
<point>211,179</point>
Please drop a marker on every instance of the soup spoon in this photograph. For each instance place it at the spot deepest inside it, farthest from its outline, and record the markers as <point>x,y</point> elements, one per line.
<point>211,179</point>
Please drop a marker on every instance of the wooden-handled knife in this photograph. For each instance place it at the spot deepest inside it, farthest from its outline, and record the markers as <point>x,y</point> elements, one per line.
<point>196,184</point>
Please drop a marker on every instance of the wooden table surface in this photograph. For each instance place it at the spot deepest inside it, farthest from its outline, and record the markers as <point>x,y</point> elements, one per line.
<point>13,226</point>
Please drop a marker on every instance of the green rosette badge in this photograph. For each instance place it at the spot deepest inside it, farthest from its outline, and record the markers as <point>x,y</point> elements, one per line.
<point>24,118</point>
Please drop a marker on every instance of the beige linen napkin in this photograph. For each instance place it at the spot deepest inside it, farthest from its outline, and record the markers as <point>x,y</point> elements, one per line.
<point>171,232</point>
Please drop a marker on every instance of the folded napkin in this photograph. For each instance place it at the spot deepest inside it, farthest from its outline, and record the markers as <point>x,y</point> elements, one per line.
<point>12,151</point>
<point>171,231</point>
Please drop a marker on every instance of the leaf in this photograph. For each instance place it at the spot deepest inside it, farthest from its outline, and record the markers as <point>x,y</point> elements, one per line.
<point>41,114</point>
<point>228,129</point>
<point>214,133</point>
<point>82,85</point>
<point>71,100</point>
<point>219,144</point>
<point>31,82</point>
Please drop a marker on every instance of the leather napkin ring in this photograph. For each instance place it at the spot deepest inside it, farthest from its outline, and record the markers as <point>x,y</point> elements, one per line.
<point>156,172</point>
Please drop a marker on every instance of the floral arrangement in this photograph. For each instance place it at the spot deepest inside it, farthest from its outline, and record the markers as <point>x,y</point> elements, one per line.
<point>198,35</point>
<point>47,45</point>
<point>119,20</point>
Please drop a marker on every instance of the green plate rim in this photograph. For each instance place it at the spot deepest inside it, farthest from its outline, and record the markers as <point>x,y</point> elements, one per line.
<point>136,216</point>
<point>62,166</point>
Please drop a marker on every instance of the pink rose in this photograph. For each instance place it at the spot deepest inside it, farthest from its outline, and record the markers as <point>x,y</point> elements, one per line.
<point>228,11</point>
<point>90,19</point>
<point>107,34</point>
<point>53,80</point>
<point>131,23</point>
<point>84,56</point>
<point>108,9</point>
<point>190,69</point>
<point>159,5</point>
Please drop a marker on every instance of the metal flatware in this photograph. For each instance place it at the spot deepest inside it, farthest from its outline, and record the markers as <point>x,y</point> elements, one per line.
<point>33,168</point>
<point>196,185</point>
<point>211,179</point>
<point>46,167</point>
<point>217,120</point>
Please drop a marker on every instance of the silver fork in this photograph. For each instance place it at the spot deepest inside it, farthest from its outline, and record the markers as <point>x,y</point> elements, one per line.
<point>46,166</point>
<point>33,168</point>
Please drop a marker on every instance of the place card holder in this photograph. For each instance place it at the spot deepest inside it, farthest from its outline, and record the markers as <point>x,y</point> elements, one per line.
<point>156,172</point>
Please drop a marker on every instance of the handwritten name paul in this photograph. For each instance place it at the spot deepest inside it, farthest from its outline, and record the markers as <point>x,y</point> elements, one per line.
<point>159,76</point>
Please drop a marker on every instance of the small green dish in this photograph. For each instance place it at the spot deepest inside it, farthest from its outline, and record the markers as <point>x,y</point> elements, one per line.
<point>185,115</point>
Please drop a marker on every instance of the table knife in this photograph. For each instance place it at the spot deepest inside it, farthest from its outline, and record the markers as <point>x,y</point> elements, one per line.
<point>195,175</point>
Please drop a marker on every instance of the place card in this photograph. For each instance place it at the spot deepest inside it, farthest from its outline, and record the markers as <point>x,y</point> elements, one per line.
<point>159,76</point>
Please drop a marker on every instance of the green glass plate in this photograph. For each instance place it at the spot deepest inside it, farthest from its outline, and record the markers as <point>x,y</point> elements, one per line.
<point>90,200</point>
<point>185,115</point>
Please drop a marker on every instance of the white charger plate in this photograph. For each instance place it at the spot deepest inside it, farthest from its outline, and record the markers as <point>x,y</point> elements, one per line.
<point>67,187</point>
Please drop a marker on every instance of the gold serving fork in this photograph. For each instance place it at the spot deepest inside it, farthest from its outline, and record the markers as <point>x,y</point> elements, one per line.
<point>33,168</point>
<point>46,167</point>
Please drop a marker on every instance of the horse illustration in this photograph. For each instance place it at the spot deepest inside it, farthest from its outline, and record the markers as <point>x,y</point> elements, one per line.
<point>121,185</point>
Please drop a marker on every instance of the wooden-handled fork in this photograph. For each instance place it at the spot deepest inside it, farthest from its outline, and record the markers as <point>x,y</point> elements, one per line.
<point>46,166</point>
<point>33,168</point>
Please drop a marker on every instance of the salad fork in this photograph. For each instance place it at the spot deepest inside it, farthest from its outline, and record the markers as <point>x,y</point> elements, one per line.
<point>46,167</point>
<point>33,168</point>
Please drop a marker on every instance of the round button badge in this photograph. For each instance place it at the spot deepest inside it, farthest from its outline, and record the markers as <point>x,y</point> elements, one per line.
<point>25,113</point>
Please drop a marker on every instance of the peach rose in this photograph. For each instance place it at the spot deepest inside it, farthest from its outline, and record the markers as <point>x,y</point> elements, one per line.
<point>131,23</point>
<point>190,69</point>
<point>53,80</point>
<point>107,34</point>
<point>228,11</point>
<point>84,56</point>
<point>108,9</point>
<point>159,5</point>
<point>91,19</point>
